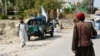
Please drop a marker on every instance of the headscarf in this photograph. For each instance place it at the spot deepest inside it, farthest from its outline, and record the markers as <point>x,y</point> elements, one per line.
<point>80,16</point>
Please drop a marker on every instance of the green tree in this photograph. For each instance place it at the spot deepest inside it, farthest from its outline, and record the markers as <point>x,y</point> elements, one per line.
<point>22,5</point>
<point>85,4</point>
<point>48,4</point>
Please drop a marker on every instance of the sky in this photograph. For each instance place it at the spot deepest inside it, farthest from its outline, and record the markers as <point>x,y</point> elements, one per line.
<point>96,2</point>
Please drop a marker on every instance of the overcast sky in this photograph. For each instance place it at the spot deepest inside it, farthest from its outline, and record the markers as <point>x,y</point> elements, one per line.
<point>96,2</point>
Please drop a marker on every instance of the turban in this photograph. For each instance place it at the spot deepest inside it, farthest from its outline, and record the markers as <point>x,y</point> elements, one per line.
<point>80,16</point>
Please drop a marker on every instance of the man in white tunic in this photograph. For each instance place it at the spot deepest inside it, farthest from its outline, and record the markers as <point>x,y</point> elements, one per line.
<point>22,32</point>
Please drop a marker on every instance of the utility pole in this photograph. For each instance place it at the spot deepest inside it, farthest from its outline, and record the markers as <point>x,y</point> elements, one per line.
<point>6,7</point>
<point>1,7</point>
<point>78,3</point>
<point>91,5</point>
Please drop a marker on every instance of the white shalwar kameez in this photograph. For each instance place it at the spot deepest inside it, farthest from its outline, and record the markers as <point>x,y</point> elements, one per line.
<point>23,34</point>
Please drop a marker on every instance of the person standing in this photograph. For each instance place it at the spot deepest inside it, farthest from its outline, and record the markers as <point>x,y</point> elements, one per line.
<point>22,32</point>
<point>82,44</point>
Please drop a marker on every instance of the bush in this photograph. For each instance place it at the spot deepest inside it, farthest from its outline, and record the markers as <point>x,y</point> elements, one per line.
<point>67,11</point>
<point>4,16</point>
<point>13,18</point>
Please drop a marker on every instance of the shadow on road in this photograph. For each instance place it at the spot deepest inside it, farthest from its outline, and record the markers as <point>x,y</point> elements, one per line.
<point>47,38</point>
<point>98,36</point>
<point>35,45</point>
<point>43,44</point>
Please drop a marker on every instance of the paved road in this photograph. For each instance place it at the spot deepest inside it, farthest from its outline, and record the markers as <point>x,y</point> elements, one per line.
<point>59,45</point>
<point>97,44</point>
<point>62,47</point>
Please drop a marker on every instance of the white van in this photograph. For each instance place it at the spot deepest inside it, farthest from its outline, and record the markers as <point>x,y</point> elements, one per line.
<point>97,15</point>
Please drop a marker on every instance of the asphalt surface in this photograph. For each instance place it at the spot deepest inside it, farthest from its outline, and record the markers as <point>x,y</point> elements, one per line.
<point>59,45</point>
<point>62,47</point>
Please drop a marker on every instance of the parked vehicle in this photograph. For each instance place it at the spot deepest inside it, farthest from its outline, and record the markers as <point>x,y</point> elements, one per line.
<point>91,23</point>
<point>97,19</point>
<point>97,15</point>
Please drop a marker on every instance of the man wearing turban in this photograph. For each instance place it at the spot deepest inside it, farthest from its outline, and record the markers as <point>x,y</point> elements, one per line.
<point>82,44</point>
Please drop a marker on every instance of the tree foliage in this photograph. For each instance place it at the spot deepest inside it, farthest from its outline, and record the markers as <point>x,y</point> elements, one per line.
<point>32,5</point>
<point>28,4</point>
<point>85,2</point>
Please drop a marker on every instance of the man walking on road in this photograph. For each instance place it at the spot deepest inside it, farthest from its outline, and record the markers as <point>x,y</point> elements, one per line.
<point>22,32</point>
<point>82,44</point>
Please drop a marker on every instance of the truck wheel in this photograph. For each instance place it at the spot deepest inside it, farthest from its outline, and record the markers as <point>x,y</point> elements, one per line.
<point>28,37</point>
<point>51,34</point>
<point>43,35</point>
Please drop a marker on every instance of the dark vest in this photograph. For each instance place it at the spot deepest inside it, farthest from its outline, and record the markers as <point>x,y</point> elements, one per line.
<point>84,33</point>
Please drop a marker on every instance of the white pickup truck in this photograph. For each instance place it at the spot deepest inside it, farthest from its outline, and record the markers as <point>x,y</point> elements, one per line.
<point>97,19</point>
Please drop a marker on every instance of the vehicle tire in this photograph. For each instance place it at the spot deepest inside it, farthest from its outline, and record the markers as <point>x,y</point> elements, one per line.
<point>43,35</point>
<point>51,34</point>
<point>94,34</point>
<point>28,37</point>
